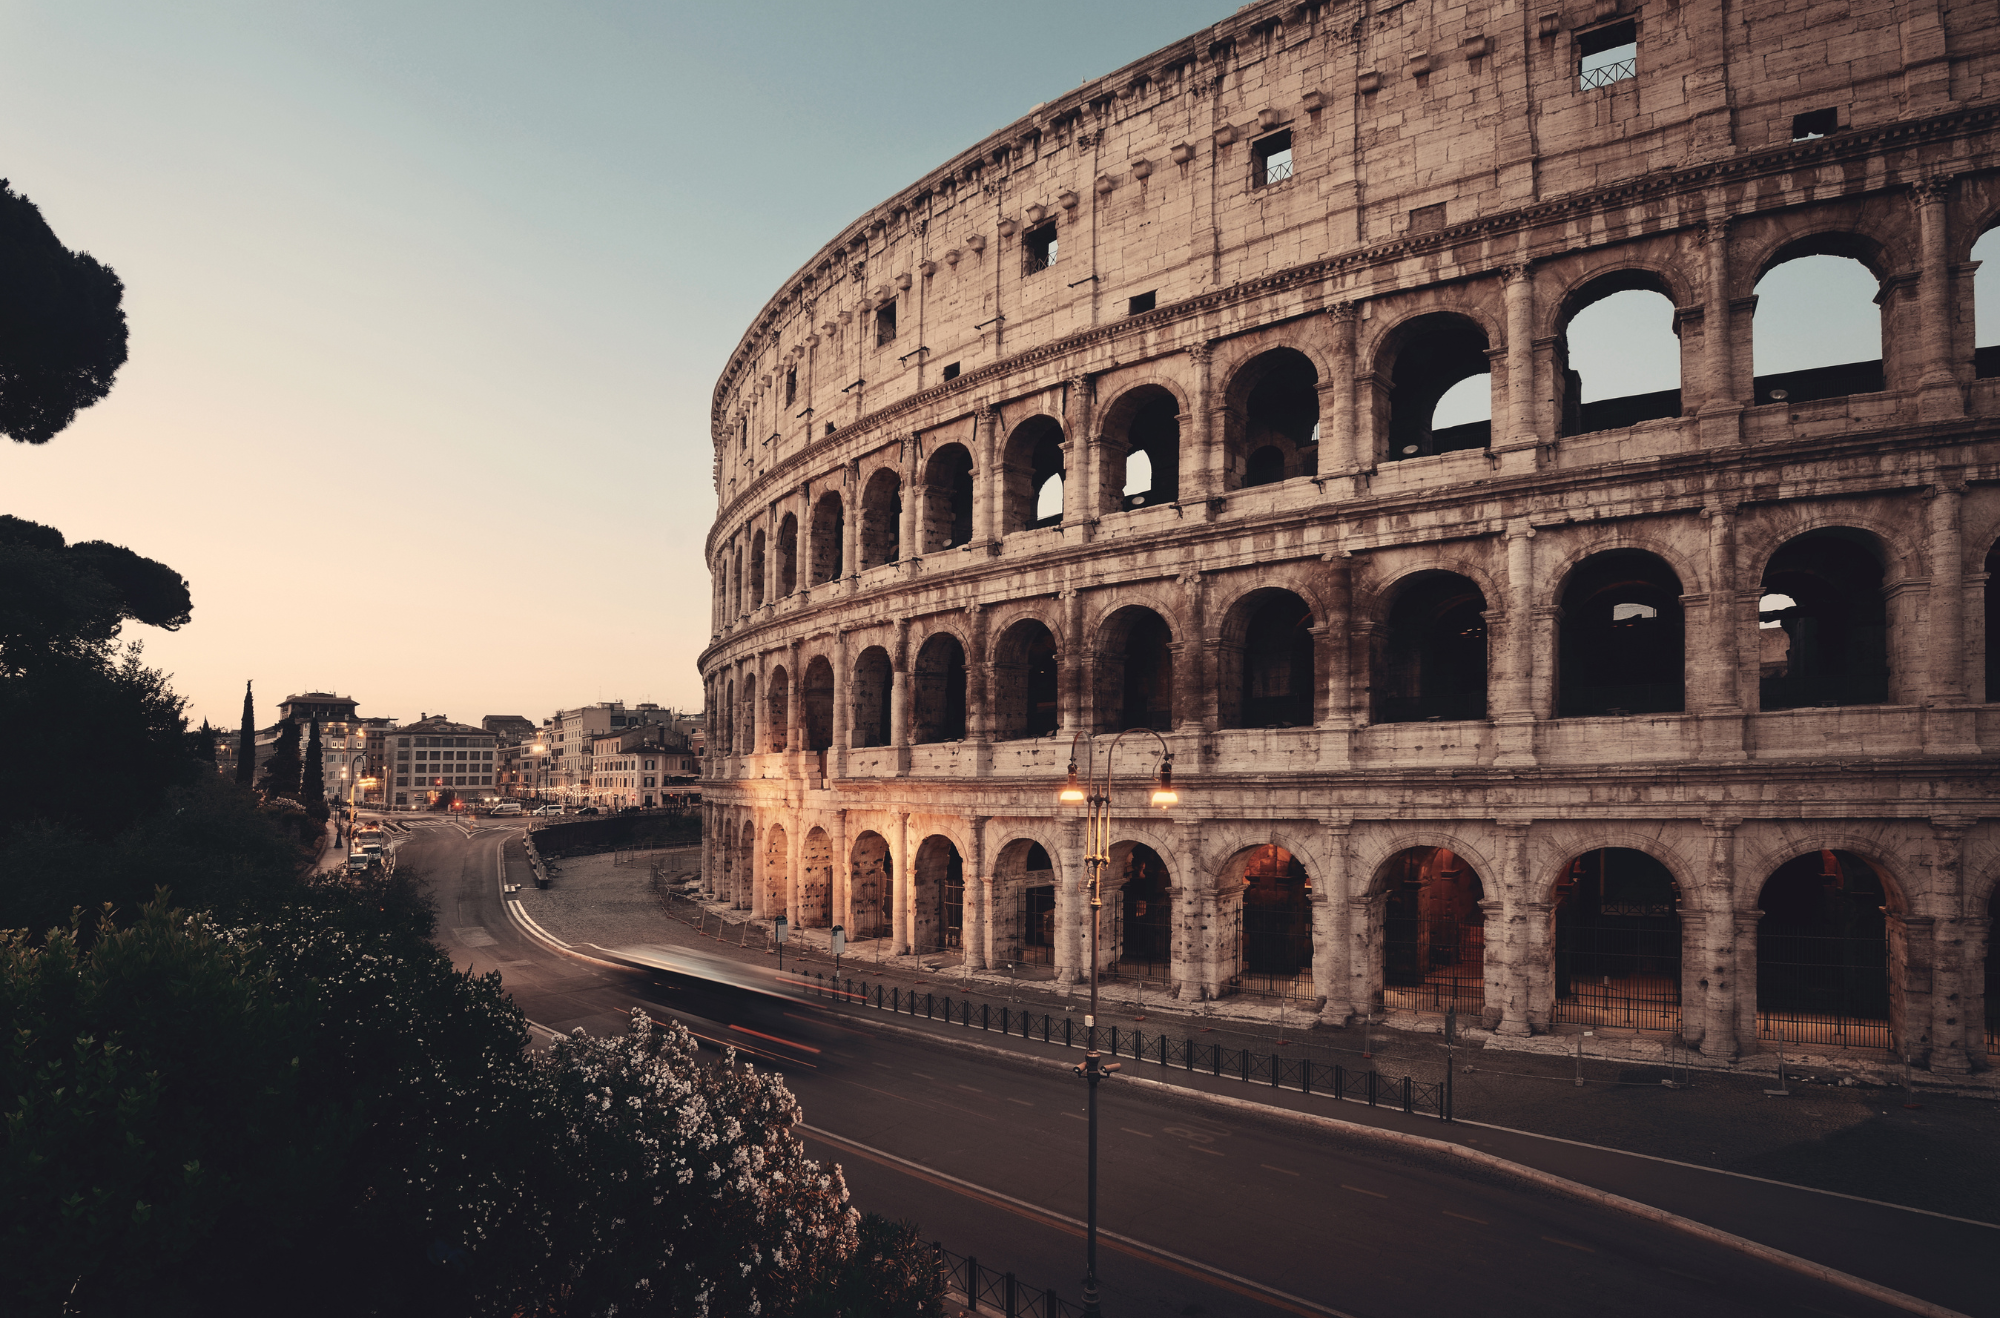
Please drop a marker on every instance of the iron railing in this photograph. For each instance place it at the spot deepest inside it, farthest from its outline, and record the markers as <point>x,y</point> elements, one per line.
<point>1823,989</point>
<point>1305,1075</point>
<point>1607,74</point>
<point>987,1291</point>
<point>1277,171</point>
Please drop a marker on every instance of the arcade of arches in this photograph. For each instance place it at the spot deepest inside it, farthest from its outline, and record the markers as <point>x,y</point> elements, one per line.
<point>1733,937</point>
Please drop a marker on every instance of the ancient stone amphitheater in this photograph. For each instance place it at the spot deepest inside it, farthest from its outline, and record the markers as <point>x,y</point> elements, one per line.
<point>1235,396</point>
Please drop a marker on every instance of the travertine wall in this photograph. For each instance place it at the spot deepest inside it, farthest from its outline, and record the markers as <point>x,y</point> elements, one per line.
<point>1682,179</point>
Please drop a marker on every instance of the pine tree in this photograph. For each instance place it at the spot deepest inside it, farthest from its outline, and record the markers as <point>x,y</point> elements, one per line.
<point>281,771</point>
<point>312,779</point>
<point>246,744</point>
<point>201,743</point>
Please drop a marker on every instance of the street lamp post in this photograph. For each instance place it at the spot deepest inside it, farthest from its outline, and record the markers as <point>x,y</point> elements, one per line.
<point>1095,797</point>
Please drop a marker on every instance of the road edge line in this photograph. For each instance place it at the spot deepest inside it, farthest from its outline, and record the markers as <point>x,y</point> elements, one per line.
<point>1549,1180</point>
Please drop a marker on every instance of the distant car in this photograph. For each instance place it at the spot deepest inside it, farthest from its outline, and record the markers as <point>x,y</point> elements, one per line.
<point>590,810</point>
<point>506,808</point>
<point>631,810</point>
<point>546,810</point>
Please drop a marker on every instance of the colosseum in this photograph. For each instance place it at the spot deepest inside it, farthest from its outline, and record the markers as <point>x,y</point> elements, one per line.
<point>1235,397</point>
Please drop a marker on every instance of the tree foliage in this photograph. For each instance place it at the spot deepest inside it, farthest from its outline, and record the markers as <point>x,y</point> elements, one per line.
<point>62,601</point>
<point>281,771</point>
<point>312,779</point>
<point>62,325</point>
<point>246,742</point>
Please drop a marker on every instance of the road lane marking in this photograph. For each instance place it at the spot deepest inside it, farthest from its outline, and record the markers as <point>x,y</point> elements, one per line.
<point>1480,1220</point>
<point>1282,1171</point>
<point>759,1034</point>
<point>1078,1115</point>
<point>1358,1190</point>
<point>921,1076</point>
<point>1140,1133</point>
<point>827,1024</point>
<point>1138,1249</point>
<point>1203,1148</point>
<point>529,921</point>
<point>974,1088</point>
<point>1569,1244</point>
<point>1022,1101</point>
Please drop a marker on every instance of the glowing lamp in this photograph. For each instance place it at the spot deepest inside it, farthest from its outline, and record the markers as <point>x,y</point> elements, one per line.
<point>1071,793</point>
<point>1164,794</point>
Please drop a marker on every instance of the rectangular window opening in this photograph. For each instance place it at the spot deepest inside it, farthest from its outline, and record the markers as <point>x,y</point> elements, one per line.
<point>885,323</point>
<point>1040,245</point>
<point>829,427</point>
<point>1140,304</point>
<point>1273,157</point>
<point>791,387</point>
<point>1815,123</point>
<point>951,371</point>
<point>1607,54</point>
<point>1427,219</point>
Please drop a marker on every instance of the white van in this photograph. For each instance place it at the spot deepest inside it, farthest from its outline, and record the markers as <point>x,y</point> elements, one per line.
<point>506,808</point>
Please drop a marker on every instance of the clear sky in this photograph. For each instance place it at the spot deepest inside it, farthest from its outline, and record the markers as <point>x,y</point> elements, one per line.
<point>427,302</point>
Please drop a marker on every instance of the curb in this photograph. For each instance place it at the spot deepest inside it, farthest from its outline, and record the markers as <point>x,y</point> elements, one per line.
<point>1547,1180</point>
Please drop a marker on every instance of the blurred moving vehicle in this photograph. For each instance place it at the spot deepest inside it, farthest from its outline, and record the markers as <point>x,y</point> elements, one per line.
<point>546,810</point>
<point>506,808</point>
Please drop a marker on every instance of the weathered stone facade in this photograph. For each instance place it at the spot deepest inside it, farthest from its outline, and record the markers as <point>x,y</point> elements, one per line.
<point>1527,643</point>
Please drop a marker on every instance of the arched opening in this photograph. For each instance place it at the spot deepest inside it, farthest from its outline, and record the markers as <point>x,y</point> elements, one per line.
<point>1826,970</point>
<point>1135,672</point>
<point>742,893</point>
<point>1032,475</point>
<point>747,731</point>
<point>881,518</point>
<point>829,530</point>
<point>1137,938</point>
<point>1430,355</point>
<point>1024,682</point>
<point>816,880</point>
<point>873,887</point>
<point>757,570</point>
<point>777,873</point>
<point>816,705</point>
<point>1278,392</point>
<point>1618,942</point>
<point>937,913</point>
<point>1817,331</point>
<point>947,509</point>
<point>788,555</point>
<point>727,741</point>
<point>1266,658</point>
<point>1274,916</point>
<point>1433,933</point>
<point>873,679</point>
<point>1991,598</point>
<point>1619,355</point>
<point>1621,650</point>
<point>1141,450</point>
<point>777,710</point>
<point>1024,903</point>
<point>1824,628</point>
<point>736,583</point>
<point>1433,659</point>
<point>1986,305</point>
<point>940,691</point>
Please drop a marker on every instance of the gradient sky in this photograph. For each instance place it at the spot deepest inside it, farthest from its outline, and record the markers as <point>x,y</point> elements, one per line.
<point>427,302</point>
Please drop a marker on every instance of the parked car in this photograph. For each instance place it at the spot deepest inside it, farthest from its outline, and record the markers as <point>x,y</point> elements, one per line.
<point>631,810</point>
<point>546,810</point>
<point>589,810</point>
<point>506,808</point>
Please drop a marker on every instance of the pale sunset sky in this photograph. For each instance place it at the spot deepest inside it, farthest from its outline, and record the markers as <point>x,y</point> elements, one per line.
<point>427,302</point>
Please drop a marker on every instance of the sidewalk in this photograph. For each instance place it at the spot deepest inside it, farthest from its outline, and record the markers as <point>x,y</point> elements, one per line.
<point>1875,1141</point>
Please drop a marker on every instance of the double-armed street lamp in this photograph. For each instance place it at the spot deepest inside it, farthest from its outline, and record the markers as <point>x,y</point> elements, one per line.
<point>1095,798</point>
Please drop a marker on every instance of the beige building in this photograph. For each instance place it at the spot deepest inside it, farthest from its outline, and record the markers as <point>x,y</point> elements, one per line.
<point>434,754</point>
<point>1230,402</point>
<point>641,766</point>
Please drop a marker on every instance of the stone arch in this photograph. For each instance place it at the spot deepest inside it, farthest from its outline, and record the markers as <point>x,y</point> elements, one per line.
<point>1026,873</point>
<point>788,555</point>
<point>747,731</point>
<point>774,895</point>
<point>1428,660</point>
<point>1903,555</point>
<point>872,885</point>
<point>1425,933</point>
<point>937,896</point>
<point>1024,690</point>
<point>1145,418</point>
<point>881,518</point>
<point>816,704</point>
<point>815,899</point>
<point>1621,643</point>
<point>1824,234</point>
<point>1616,938</point>
<point>1831,957</point>
<point>757,569</point>
<point>1266,675</point>
<point>1627,280</point>
<point>1374,861</point>
<point>1272,417</point>
<point>1827,591</point>
<point>727,741</point>
<point>945,519</point>
<point>1133,664</point>
<point>1416,361</point>
<point>1779,376</point>
<point>1264,908</point>
<point>1895,884</point>
<point>1138,935</point>
<point>829,523</point>
<point>777,709</point>
<point>872,686</point>
<point>938,688</point>
<point>1031,457</point>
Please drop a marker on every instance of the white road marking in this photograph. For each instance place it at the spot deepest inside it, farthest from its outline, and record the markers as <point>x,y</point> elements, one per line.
<point>1569,1244</point>
<point>1480,1221</point>
<point>1358,1190</point>
<point>1282,1171</point>
<point>1140,1133</point>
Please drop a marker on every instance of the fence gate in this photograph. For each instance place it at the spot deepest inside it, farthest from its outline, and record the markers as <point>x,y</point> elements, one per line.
<point>1623,972</point>
<point>1815,988</point>
<point>1138,921</point>
<point>1276,943</point>
<point>1431,962</point>
<point>1038,923</point>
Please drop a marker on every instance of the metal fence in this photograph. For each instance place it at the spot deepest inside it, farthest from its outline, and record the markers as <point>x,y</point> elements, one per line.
<point>1823,989</point>
<point>1305,1075</point>
<point>1620,972</point>
<point>1608,74</point>
<point>987,1291</point>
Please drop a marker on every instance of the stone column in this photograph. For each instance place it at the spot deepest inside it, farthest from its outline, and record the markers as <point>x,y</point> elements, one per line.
<point>1364,967</point>
<point>1721,409</point>
<point>1331,948</point>
<point>708,860</point>
<point>1949,727</point>
<point>1332,655</point>
<point>1520,294</point>
<point>1071,910</point>
<point>906,532</point>
<point>850,522</point>
<point>1512,665</point>
<point>1518,941</point>
<point>1194,919</point>
<point>978,690</point>
<point>1494,973</point>
<point>977,935</point>
<point>843,708</point>
<point>1193,694</point>
<point>795,699</point>
<point>1950,1023</point>
<point>1745,1034</point>
<point>1196,476</point>
<point>899,695</point>
<point>840,901</point>
<point>904,894</point>
<point>987,496</point>
<point>1717,950</point>
<point>1341,450</point>
<point>1080,456</point>
<point>1939,397</point>
<point>1070,692</point>
<point>795,839</point>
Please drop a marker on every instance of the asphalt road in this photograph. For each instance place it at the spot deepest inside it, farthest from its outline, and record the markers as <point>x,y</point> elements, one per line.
<point>1210,1212</point>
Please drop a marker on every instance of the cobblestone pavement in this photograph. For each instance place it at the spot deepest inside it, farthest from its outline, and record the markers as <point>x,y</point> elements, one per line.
<point>1872,1140</point>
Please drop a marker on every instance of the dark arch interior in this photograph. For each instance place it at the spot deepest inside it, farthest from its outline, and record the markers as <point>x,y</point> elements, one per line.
<point>1621,650</point>
<point>1435,352</point>
<point>948,499</point>
<point>1025,682</point>
<point>829,535</point>
<point>1280,418</point>
<point>1434,656</point>
<point>940,691</point>
<point>1618,942</point>
<point>788,555</point>
<point>1433,933</point>
<point>1144,936</point>
<point>1277,920</point>
<point>777,710</point>
<point>1824,958</point>
<point>873,687</point>
<point>816,705</point>
<point>757,570</point>
<point>1277,686</point>
<point>881,519</point>
<point>1135,672</point>
<point>1034,458</point>
<point>937,914</point>
<point>1154,429</point>
<point>1831,644</point>
<point>1993,624</point>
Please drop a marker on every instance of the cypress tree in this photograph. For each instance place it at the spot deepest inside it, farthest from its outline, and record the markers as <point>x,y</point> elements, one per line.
<point>312,779</point>
<point>246,744</point>
<point>281,771</point>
